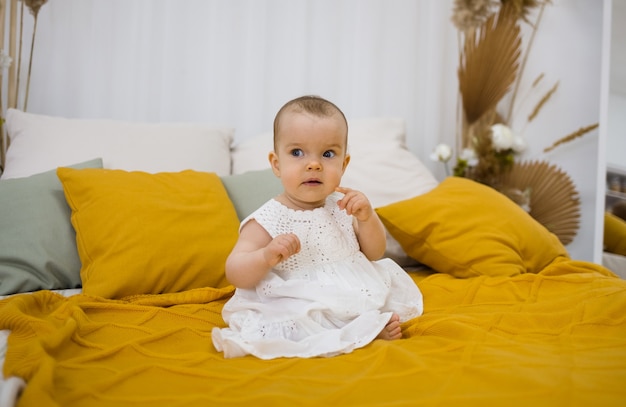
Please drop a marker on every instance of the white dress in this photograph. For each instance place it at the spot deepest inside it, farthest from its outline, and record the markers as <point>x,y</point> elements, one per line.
<point>325,300</point>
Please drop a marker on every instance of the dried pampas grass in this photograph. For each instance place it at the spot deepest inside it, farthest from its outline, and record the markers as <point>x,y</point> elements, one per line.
<point>537,80</point>
<point>542,102</point>
<point>578,133</point>
<point>468,15</point>
<point>34,5</point>
<point>523,8</point>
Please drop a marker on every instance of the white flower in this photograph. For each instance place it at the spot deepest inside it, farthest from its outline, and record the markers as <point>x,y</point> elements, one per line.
<point>469,156</point>
<point>5,60</point>
<point>442,153</point>
<point>519,144</point>
<point>501,137</point>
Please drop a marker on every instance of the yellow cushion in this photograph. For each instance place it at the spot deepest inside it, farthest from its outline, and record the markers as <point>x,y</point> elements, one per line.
<point>141,233</point>
<point>614,234</point>
<point>466,229</point>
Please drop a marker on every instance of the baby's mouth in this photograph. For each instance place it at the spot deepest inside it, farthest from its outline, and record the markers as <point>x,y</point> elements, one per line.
<point>312,182</point>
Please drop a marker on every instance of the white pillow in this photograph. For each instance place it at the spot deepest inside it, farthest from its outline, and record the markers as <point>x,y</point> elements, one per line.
<point>381,166</point>
<point>252,154</point>
<point>40,143</point>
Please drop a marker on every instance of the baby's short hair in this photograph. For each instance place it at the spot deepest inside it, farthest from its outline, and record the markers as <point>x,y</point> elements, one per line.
<point>312,104</point>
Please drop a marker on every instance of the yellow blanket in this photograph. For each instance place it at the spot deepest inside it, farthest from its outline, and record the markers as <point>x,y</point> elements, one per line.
<point>547,339</point>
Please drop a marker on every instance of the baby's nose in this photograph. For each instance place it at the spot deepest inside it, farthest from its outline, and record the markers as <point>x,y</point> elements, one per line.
<point>314,165</point>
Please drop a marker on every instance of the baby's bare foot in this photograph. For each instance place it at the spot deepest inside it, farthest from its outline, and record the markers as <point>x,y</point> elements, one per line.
<point>392,330</point>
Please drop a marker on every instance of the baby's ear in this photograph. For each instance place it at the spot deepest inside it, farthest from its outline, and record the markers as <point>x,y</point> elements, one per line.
<point>346,161</point>
<point>273,158</point>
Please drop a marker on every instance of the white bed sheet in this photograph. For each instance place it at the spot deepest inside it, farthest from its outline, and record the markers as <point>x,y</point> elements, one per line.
<point>615,262</point>
<point>11,387</point>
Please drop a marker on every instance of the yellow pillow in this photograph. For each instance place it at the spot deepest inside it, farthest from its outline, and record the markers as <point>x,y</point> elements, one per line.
<point>614,234</point>
<point>141,233</point>
<point>467,229</point>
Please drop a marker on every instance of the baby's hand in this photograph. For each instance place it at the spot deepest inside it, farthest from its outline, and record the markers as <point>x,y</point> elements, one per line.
<point>281,247</point>
<point>355,203</point>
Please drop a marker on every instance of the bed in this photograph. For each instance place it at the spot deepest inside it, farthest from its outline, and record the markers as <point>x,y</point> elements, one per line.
<point>113,240</point>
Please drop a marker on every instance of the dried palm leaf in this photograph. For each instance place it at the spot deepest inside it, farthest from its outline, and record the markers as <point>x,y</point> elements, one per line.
<point>489,63</point>
<point>554,201</point>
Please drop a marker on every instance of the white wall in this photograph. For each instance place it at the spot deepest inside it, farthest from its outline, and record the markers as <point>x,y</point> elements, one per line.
<point>616,141</point>
<point>569,50</point>
<point>235,62</point>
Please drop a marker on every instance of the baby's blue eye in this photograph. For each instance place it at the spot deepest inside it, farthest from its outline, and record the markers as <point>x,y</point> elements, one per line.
<point>329,154</point>
<point>296,152</point>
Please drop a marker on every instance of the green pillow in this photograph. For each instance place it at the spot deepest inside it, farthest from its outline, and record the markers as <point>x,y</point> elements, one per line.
<point>37,240</point>
<point>250,190</point>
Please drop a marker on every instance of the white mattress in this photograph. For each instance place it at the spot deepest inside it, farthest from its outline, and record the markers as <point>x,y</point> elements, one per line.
<point>10,387</point>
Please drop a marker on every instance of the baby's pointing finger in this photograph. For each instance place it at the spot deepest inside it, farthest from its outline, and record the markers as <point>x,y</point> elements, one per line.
<point>343,190</point>
<point>343,202</point>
